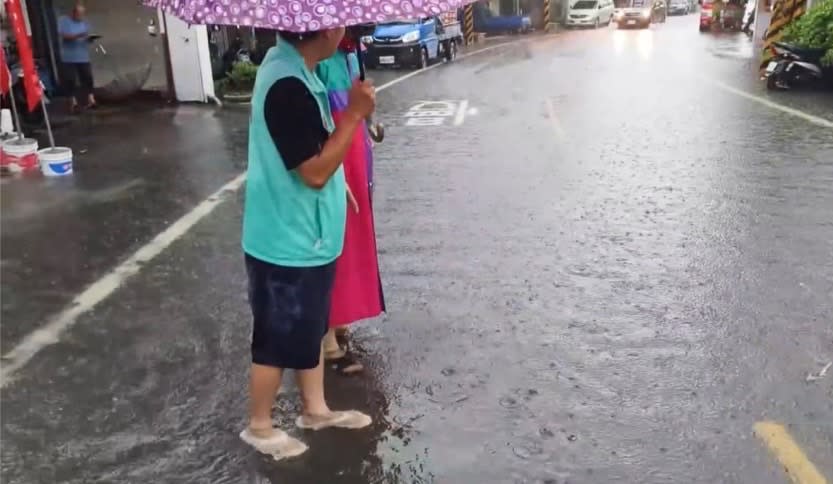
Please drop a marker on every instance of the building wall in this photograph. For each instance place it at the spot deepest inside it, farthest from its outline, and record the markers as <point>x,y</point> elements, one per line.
<point>123,27</point>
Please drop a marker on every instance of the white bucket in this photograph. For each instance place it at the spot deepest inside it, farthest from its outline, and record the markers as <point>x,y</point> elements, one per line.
<point>20,155</point>
<point>56,161</point>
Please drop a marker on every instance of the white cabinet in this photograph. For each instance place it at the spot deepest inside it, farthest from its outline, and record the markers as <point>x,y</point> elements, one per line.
<point>190,60</point>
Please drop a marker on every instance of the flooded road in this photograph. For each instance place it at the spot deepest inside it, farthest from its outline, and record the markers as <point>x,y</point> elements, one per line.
<point>599,267</point>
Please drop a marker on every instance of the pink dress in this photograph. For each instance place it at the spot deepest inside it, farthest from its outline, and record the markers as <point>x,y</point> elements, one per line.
<point>357,291</point>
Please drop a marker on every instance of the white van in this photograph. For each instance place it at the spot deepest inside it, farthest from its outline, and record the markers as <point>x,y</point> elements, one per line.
<point>590,13</point>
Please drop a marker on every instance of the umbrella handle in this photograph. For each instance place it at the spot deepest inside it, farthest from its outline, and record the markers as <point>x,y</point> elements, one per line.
<point>376,131</point>
<point>360,57</point>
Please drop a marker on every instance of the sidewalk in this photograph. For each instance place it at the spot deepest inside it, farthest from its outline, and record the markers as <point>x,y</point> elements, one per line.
<point>136,171</point>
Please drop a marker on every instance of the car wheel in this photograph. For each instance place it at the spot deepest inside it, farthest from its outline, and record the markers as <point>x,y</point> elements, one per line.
<point>423,58</point>
<point>596,24</point>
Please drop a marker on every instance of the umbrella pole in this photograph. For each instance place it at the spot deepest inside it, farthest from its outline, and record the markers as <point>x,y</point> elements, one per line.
<point>360,57</point>
<point>48,124</point>
<point>376,130</point>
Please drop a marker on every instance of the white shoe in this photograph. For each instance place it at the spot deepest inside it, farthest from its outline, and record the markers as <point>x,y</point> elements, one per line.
<point>279,445</point>
<point>348,419</point>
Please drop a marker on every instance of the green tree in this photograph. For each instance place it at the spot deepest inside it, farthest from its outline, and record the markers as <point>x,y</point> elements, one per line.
<point>814,30</point>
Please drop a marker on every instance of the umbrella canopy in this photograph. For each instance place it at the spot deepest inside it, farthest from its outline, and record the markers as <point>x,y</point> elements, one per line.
<point>301,15</point>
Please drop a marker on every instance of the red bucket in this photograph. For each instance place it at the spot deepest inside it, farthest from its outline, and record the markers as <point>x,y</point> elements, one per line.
<point>19,155</point>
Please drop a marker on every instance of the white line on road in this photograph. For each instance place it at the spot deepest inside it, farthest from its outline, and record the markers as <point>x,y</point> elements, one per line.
<point>101,289</point>
<point>462,108</point>
<point>104,287</point>
<point>434,66</point>
<point>556,124</point>
<point>817,120</point>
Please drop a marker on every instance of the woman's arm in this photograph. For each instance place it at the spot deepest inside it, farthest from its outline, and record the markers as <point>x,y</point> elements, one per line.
<point>317,170</point>
<point>295,125</point>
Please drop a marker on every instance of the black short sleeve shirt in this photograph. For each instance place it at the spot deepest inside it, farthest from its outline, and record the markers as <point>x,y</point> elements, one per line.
<point>294,121</point>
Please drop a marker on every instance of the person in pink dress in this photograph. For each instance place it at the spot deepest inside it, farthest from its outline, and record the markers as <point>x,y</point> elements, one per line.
<point>357,291</point>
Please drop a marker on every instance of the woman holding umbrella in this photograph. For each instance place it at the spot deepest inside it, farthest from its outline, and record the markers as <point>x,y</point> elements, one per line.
<point>296,207</point>
<point>357,291</point>
<point>293,230</point>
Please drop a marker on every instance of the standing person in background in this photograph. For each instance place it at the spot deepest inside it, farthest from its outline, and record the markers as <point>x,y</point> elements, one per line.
<point>357,290</point>
<point>75,54</point>
<point>293,231</point>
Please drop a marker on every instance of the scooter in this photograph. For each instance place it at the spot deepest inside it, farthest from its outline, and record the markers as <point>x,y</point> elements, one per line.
<point>792,66</point>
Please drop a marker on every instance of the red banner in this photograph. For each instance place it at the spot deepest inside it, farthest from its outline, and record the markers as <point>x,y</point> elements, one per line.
<point>5,75</point>
<point>24,48</point>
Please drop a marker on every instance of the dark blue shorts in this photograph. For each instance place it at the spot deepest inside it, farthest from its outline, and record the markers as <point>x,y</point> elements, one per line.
<point>291,311</point>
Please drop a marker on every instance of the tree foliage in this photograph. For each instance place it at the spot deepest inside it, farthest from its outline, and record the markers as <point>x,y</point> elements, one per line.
<point>242,76</point>
<point>814,29</point>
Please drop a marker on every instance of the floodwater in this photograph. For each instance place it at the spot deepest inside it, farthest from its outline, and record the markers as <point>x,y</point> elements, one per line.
<point>606,269</point>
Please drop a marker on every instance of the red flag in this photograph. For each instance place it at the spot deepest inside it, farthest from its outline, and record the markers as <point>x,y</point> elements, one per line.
<point>24,49</point>
<point>5,75</point>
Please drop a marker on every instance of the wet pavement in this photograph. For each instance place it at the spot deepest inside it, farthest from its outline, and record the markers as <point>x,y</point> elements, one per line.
<point>598,266</point>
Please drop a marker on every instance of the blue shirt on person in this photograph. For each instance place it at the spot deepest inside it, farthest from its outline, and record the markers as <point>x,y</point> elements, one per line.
<point>74,51</point>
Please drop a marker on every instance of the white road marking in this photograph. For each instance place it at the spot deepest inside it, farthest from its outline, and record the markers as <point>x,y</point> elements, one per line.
<point>462,110</point>
<point>48,334</point>
<point>101,289</point>
<point>817,120</point>
<point>554,121</point>
<point>459,57</point>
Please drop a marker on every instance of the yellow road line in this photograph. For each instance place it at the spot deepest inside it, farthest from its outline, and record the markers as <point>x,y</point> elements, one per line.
<point>789,454</point>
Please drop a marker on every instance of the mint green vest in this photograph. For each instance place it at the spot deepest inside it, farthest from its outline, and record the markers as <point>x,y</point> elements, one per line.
<point>285,222</point>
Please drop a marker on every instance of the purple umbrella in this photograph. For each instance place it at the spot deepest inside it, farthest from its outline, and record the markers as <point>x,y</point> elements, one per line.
<point>301,15</point>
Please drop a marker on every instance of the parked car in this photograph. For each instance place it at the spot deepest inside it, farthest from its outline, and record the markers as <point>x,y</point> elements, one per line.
<point>639,13</point>
<point>413,43</point>
<point>679,7</point>
<point>590,13</point>
<point>485,21</point>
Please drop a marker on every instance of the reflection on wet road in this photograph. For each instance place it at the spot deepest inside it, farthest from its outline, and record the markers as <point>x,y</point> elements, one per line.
<point>598,269</point>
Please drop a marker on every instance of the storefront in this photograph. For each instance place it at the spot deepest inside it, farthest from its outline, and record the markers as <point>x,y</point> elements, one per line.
<point>124,50</point>
<point>135,51</point>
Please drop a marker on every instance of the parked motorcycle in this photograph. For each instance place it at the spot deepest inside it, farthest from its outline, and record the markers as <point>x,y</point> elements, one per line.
<point>793,66</point>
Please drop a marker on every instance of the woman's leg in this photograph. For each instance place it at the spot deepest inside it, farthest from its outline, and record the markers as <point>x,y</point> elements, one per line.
<point>316,414</point>
<point>268,360</point>
<point>332,351</point>
<point>311,384</point>
<point>264,382</point>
